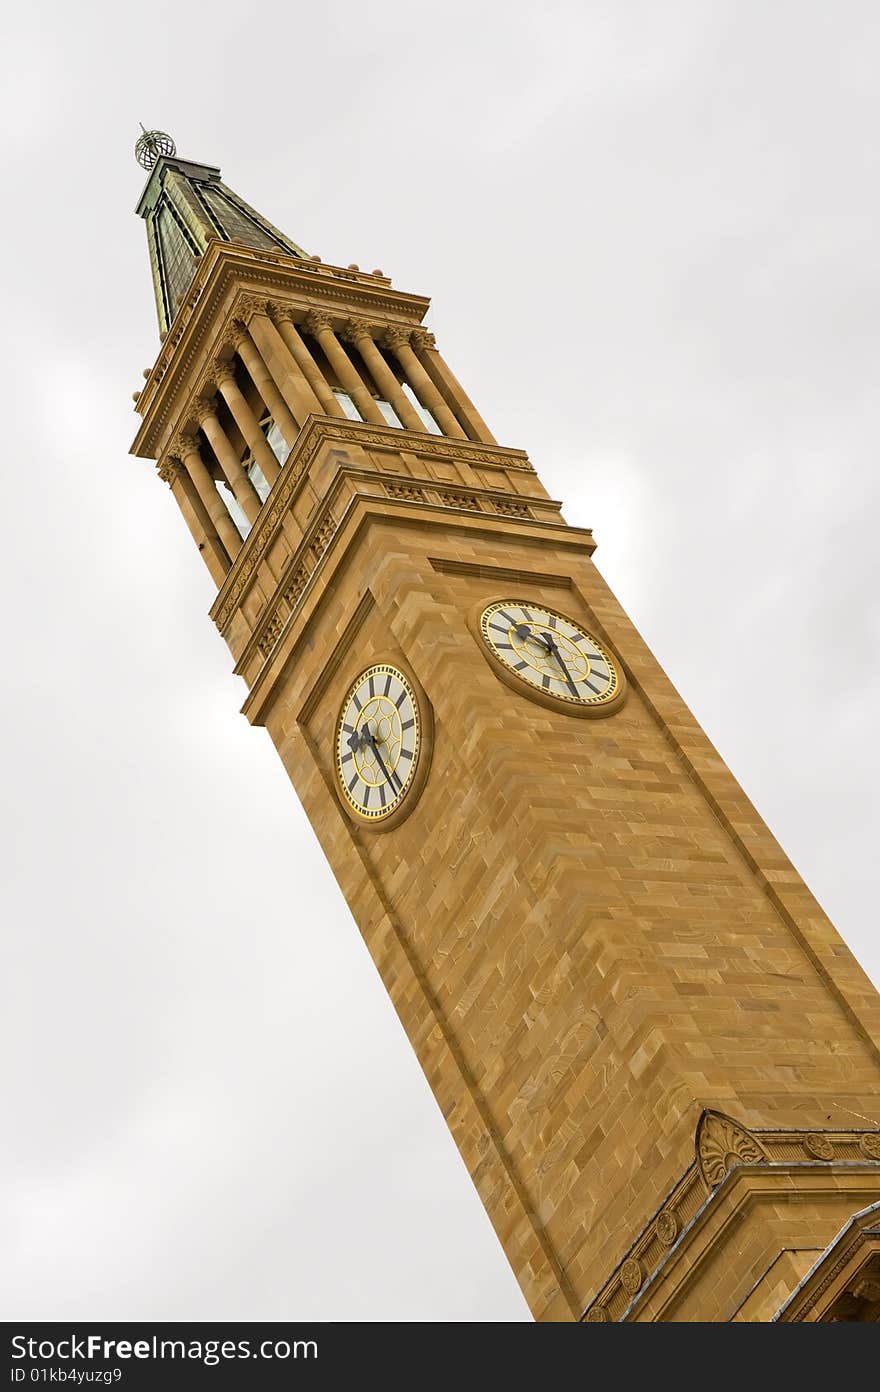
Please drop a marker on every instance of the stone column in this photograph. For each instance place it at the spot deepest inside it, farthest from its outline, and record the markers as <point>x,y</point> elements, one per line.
<point>204,534</point>
<point>358,332</point>
<point>228,460</point>
<point>450,388</point>
<point>224,378</point>
<point>305,362</point>
<point>262,377</point>
<point>285,373</point>
<point>319,326</point>
<point>186,448</point>
<point>398,341</point>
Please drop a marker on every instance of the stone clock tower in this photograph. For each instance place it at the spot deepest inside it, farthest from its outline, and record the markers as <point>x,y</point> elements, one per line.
<point>658,1060</point>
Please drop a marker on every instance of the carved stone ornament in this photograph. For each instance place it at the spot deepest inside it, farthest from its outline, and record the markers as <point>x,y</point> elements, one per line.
<point>631,1275</point>
<point>203,408</point>
<point>356,329</point>
<point>184,444</point>
<point>316,322</point>
<point>168,469</point>
<point>598,1315</point>
<point>239,335</point>
<point>818,1146</point>
<point>222,371</point>
<point>281,313</point>
<point>666,1227</point>
<point>870,1145</point>
<point>395,338</point>
<point>722,1144</point>
<point>422,339</point>
<point>250,304</point>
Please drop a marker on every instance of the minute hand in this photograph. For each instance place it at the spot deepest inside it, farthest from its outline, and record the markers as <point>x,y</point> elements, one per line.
<point>551,646</point>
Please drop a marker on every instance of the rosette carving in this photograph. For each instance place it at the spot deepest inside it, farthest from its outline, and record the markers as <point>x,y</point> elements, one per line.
<point>666,1227</point>
<point>818,1146</point>
<point>722,1144</point>
<point>631,1275</point>
<point>598,1315</point>
<point>869,1145</point>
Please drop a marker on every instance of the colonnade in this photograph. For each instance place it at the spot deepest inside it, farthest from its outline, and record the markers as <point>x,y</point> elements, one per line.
<point>299,365</point>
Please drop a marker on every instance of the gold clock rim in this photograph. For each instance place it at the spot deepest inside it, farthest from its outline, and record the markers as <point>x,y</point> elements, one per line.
<point>580,709</point>
<point>423,752</point>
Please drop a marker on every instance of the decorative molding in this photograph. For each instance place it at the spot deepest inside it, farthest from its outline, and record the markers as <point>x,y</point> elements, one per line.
<point>406,492</point>
<point>330,430</point>
<point>509,508</point>
<point>247,303</point>
<point>597,1314</point>
<point>722,1144</point>
<point>453,498</point>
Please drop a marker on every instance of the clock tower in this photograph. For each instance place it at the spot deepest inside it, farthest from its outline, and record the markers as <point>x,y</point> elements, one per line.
<point>658,1060</point>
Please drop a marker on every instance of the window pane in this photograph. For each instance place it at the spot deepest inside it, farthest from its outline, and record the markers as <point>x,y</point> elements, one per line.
<point>427,419</point>
<point>258,479</point>
<point>347,405</point>
<point>389,413</point>
<point>234,508</point>
<point>275,440</point>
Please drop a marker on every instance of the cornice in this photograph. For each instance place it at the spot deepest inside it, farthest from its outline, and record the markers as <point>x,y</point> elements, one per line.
<point>230,272</point>
<point>318,429</point>
<point>724,1149</point>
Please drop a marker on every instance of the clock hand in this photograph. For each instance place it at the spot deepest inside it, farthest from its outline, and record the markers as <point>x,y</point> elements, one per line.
<point>552,647</point>
<point>373,744</point>
<point>524,634</point>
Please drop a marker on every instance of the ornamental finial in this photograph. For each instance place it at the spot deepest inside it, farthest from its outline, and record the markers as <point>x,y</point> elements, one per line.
<point>151,146</point>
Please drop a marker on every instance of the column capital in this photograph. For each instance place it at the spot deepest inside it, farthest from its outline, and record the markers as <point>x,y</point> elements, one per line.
<point>183,444</point>
<point>355,329</point>
<point>238,335</point>
<point>222,371</point>
<point>169,468</point>
<point>316,321</point>
<point>281,313</point>
<point>251,304</point>
<point>203,408</point>
<point>395,337</point>
<point>421,339</point>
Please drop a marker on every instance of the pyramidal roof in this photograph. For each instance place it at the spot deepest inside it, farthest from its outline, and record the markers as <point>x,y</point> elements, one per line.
<point>184,206</point>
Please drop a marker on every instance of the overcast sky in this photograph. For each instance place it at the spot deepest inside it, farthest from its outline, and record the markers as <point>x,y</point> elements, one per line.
<point>650,231</point>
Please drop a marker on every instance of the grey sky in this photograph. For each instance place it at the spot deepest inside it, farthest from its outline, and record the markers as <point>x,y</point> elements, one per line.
<point>650,232</point>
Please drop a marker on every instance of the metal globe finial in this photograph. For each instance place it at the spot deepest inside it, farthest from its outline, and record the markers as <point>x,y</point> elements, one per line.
<point>151,146</point>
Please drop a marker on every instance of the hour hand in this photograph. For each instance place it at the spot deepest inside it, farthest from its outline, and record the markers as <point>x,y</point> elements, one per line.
<point>524,633</point>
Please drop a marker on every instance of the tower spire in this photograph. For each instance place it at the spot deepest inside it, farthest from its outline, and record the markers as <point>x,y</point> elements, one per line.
<point>185,205</point>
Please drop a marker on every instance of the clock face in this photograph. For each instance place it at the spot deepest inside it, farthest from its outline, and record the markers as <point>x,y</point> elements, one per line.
<point>378,742</point>
<point>550,653</point>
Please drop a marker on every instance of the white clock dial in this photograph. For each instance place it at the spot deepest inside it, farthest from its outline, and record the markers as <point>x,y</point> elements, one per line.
<point>550,653</point>
<point>378,742</point>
